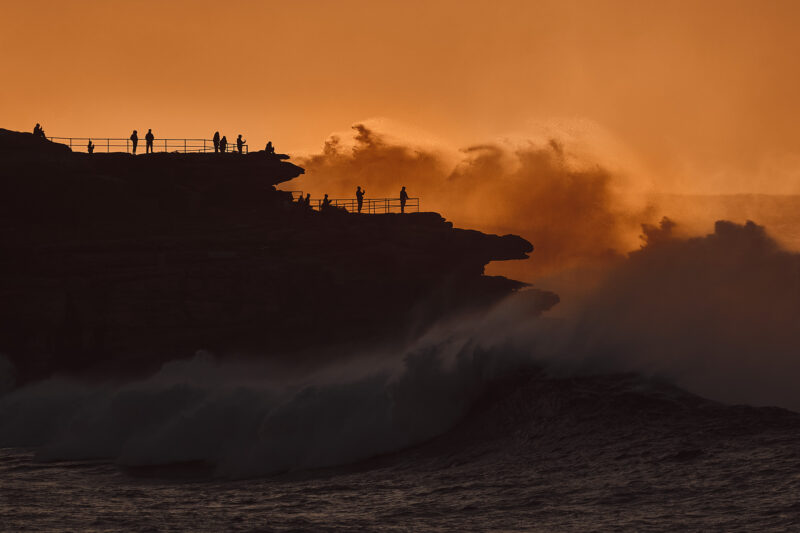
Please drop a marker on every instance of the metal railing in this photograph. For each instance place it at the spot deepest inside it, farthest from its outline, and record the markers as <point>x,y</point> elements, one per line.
<point>370,206</point>
<point>109,144</point>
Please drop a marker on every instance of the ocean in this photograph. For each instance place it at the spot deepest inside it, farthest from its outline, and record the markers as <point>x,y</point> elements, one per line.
<point>667,400</point>
<point>611,453</point>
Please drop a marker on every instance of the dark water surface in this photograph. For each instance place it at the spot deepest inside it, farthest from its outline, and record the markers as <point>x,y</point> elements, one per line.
<point>588,454</point>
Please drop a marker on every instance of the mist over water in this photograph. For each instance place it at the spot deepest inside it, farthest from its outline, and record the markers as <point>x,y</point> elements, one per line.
<point>558,198</point>
<point>573,190</point>
<point>717,315</point>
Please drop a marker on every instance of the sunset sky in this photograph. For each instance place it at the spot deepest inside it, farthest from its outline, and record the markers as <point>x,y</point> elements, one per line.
<point>701,96</point>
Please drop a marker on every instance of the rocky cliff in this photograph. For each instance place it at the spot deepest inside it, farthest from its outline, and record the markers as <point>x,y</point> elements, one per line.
<point>113,263</point>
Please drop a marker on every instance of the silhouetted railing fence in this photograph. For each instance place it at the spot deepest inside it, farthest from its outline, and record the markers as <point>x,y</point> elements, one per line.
<point>370,206</point>
<point>184,146</point>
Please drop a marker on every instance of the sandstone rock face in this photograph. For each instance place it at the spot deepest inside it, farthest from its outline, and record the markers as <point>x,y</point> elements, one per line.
<point>113,264</point>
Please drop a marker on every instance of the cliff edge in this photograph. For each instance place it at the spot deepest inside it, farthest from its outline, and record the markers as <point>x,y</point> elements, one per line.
<point>113,264</point>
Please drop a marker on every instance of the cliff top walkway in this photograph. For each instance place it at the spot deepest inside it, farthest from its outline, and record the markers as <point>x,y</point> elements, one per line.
<point>371,206</point>
<point>119,144</point>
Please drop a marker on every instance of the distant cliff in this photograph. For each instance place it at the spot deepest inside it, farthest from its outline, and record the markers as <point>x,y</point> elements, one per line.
<point>112,264</point>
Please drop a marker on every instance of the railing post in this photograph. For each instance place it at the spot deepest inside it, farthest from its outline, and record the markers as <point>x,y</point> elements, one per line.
<point>108,145</point>
<point>184,146</point>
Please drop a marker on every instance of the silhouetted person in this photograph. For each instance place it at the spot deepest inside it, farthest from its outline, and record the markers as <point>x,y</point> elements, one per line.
<point>307,203</point>
<point>223,144</point>
<point>148,142</point>
<point>134,140</point>
<point>216,142</point>
<point>325,203</point>
<point>403,198</point>
<point>38,131</point>
<point>360,197</point>
<point>239,143</point>
<point>90,147</point>
<point>270,150</point>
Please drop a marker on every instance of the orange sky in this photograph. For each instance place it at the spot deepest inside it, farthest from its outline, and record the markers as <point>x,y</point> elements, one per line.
<point>704,94</point>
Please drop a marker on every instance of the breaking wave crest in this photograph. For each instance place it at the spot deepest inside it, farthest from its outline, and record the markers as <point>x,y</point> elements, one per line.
<point>716,315</point>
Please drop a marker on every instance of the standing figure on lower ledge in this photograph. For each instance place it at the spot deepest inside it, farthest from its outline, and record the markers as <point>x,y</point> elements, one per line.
<point>90,147</point>
<point>403,199</point>
<point>360,197</point>
<point>134,140</point>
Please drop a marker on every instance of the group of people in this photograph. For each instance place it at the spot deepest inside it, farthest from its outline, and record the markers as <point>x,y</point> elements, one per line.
<point>326,203</point>
<point>221,144</point>
<point>149,138</point>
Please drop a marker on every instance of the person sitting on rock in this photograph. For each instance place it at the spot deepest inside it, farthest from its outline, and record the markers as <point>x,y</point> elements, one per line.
<point>239,143</point>
<point>215,140</point>
<point>360,197</point>
<point>90,147</point>
<point>38,131</point>
<point>403,199</point>
<point>148,140</point>
<point>134,140</point>
<point>223,144</point>
<point>270,150</point>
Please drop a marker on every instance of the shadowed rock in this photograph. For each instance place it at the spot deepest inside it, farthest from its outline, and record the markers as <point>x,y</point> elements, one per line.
<point>113,264</point>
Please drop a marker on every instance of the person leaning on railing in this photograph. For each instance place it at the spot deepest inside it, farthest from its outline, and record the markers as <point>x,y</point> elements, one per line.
<point>403,199</point>
<point>239,143</point>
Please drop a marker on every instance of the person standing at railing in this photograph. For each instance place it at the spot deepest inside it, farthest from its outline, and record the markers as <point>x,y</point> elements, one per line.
<point>215,140</point>
<point>326,204</point>
<point>239,143</point>
<point>90,147</point>
<point>223,144</point>
<point>360,197</point>
<point>307,202</point>
<point>134,140</point>
<point>403,199</point>
<point>148,141</point>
